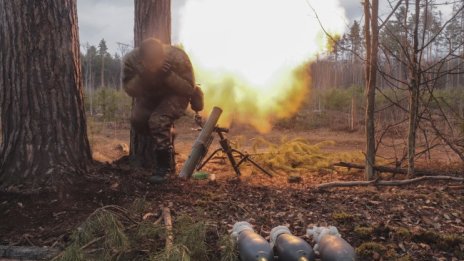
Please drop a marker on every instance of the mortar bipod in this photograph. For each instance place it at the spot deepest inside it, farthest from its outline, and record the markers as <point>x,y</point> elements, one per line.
<point>229,151</point>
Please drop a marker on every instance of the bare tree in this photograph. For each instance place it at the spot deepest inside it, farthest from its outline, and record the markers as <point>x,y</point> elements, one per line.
<point>44,129</point>
<point>414,81</point>
<point>418,55</point>
<point>123,49</point>
<point>411,38</point>
<point>372,42</point>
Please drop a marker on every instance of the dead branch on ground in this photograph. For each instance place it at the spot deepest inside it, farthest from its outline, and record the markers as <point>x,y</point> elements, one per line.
<point>27,252</point>
<point>168,224</point>
<point>394,170</point>
<point>377,182</point>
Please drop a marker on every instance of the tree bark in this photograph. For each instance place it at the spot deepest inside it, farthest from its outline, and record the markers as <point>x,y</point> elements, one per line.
<point>414,82</point>
<point>42,111</point>
<point>152,19</point>
<point>372,42</point>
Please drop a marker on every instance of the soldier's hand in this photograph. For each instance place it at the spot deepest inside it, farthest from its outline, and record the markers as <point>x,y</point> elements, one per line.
<point>165,69</point>
<point>198,119</point>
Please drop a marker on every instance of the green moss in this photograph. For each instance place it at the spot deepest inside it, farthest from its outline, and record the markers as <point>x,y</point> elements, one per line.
<point>442,241</point>
<point>428,237</point>
<point>363,232</point>
<point>452,243</point>
<point>402,232</point>
<point>342,217</point>
<point>449,241</point>
<point>368,249</point>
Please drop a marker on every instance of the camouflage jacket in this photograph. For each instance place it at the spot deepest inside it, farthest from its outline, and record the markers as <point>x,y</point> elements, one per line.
<point>180,81</point>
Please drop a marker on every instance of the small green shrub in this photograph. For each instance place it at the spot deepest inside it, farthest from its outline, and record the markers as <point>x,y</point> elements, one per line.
<point>108,104</point>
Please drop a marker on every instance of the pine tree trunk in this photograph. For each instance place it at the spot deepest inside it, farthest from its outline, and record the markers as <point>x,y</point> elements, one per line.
<point>152,19</point>
<point>102,71</point>
<point>42,111</point>
<point>372,36</point>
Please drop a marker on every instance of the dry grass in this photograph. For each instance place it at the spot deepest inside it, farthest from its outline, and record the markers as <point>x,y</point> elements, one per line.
<point>228,249</point>
<point>103,227</point>
<point>299,155</point>
<point>109,234</point>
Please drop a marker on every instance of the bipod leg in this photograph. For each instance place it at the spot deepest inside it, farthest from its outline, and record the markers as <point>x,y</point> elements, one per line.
<point>246,157</point>
<point>208,159</point>
<point>228,150</point>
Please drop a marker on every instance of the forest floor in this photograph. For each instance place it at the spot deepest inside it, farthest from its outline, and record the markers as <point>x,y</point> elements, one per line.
<point>424,221</point>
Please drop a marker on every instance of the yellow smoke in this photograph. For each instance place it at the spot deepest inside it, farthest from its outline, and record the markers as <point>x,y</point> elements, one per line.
<point>251,56</point>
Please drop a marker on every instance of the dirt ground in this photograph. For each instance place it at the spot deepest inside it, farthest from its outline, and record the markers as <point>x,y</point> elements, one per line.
<point>108,139</point>
<point>417,222</point>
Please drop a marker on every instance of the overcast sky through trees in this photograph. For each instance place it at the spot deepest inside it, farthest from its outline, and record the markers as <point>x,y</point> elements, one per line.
<point>113,19</point>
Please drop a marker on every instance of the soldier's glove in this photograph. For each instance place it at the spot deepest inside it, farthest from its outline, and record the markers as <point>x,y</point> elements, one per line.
<point>198,119</point>
<point>197,99</point>
<point>165,70</point>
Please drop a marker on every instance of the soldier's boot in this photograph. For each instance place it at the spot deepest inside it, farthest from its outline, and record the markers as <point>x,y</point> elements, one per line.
<point>164,166</point>
<point>173,151</point>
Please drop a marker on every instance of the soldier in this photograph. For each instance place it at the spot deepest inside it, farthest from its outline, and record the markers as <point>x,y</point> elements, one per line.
<point>160,78</point>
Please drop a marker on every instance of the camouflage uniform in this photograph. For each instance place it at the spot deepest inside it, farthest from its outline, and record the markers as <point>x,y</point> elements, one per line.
<point>158,102</point>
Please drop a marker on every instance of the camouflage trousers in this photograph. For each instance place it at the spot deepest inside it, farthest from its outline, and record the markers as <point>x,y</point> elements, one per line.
<point>156,116</point>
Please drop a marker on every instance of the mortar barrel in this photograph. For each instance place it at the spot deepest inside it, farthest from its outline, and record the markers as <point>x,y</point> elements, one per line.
<point>199,148</point>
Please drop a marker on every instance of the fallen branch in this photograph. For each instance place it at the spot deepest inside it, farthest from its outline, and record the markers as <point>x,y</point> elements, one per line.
<point>456,187</point>
<point>168,223</point>
<point>387,183</point>
<point>27,253</point>
<point>393,170</point>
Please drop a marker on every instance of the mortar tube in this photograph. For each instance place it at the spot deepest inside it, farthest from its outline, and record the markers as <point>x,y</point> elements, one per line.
<point>200,147</point>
